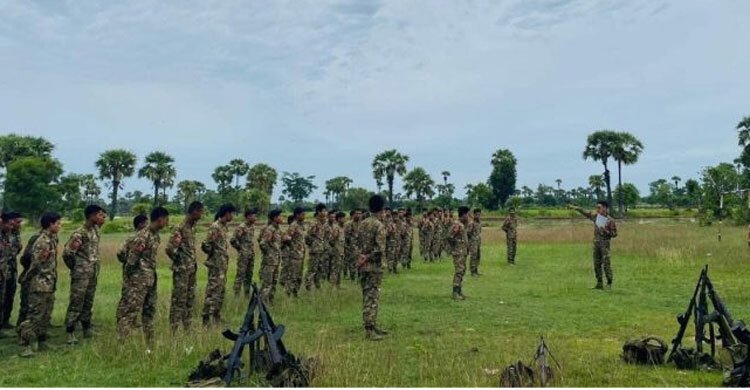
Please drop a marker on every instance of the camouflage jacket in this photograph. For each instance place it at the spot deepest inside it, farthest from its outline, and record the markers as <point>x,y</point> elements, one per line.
<point>26,256</point>
<point>87,239</point>
<point>373,236</point>
<point>510,226</point>
<point>316,238</point>
<point>351,237</point>
<point>474,232</point>
<point>457,239</point>
<point>392,234</point>
<point>270,241</point>
<point>215,245</point>
<point>124,252</point>
<point>242,239</point>
<point>42,273</point>
<point>337,239</point>
<point>181,245</point>
<point>143,251</point>
<point>10,247</point>
<point>296,233</point>
<point>605,233</point>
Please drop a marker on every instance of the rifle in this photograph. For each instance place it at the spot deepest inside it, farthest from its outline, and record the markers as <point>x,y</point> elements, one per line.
<point>683,319</point>
<point>545,371</point>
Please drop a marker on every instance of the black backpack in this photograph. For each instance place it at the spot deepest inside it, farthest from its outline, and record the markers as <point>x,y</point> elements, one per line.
<point>649,350</point>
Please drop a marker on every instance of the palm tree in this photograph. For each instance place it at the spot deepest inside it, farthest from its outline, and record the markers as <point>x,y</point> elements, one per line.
<point>223,177</point>
<point>445,176</point>
<point>676,180</point>
<point>597,182</point>
<point>115,165</point>
<point>336,188</point>
<point>160,171</point>
<point>599,147</point>
<point>626,151</point>
<point>419,183</point>
<point>262,177</point>
<point>89,188</point>
<point>744,132</point>
<point>387,165</point>
<point>190,190</point>
<point>238,167</point>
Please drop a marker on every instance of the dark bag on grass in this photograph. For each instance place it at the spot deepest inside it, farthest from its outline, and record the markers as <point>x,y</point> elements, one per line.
<point>517,375</point>
<point>650,350</point>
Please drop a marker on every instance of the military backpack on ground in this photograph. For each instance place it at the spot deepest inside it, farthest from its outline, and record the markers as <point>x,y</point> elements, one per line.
<point>650,350</point>
<point>517,375</point>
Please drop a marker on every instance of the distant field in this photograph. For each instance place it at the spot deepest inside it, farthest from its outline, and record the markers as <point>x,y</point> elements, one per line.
<point>436,341</point>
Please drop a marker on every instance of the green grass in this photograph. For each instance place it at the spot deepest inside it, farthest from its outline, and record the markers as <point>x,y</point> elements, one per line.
<point>435,341</point>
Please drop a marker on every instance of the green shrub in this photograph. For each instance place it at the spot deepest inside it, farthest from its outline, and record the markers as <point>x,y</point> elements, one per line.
<point>122,225</point>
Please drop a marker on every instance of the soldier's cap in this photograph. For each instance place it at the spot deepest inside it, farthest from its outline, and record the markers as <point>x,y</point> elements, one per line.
<point>251,211</point>
<point>297,211</point>
<point>10,215</point>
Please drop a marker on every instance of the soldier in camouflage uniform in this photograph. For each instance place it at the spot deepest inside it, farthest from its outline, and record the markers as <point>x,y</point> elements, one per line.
<point>296,234</point>
<point>351,242</point>
<point>474,234</point>
<point>459,249</point>
<point>437,235</point>
<point>447,227</point>
<point>510,226</point>
<point>407,236</point>
<point>338,241</point>
<point>139,293</point>
<point>23,306</point>
<point>181,250</point>
<point>140,222</point>
<point>604,231</point>
<point>41,279</point>
<point>328,258</point>
<point>428,227</point>
<point>270,240</point>
<point>317,245</point>
<point>242,241</point>
<point>10,238</point>
<point>284,266</point>
<point>82,250</point>
<point>370,266</point>
<point>216,247</point>
<point>392,240</point>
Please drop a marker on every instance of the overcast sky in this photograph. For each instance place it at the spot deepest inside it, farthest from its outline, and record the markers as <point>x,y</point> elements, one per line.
<point>320,87</point>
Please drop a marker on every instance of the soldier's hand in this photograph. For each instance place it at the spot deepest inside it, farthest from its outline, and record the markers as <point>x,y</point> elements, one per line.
<point>74,244</point>
<point>361,260</point>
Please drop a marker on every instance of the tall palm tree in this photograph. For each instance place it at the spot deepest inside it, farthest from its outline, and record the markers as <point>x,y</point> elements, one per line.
<point>445,174</point>
<point>89,188</point>
<point>115,165</point>
<point>626,151</point>
<point>599,147</point>
<point>238,167</point>
<point>676,180</point>
<point>223,177</point>
<point>419,183</point>
<point>387,165</point>
<point>190,190</point>
<point>160,170</point>
<point>262,177</point>
<point>597,182</point>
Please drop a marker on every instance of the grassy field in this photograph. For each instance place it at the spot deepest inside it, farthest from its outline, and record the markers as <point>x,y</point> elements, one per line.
<point>435,341</point>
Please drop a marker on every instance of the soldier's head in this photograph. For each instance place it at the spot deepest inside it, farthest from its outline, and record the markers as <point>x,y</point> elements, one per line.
<point>512,211</point>
<point>274,216</point>
<point>376,204</point>
<point>11,221</point>
<point>51,222</point>
<point>321,212</point>
<point>251,215</point>
<point>355,215</point>
<point>299,214</point>
<point>225,213</point>
<point>332,216</point>
<point>159,218</point>
<point>195,211</point>
<point>140,221</point>
<point>602,207</point>
<point>463,213</point>
<point>290,219</point>
<point>95,215</point>
<point>477,214</point>
<point>341,217</point>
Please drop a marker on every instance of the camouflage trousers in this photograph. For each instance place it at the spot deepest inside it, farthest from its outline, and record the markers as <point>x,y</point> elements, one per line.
<point>436,247</point>
<point>244,278</point>
<point>351,264</point>
<point>139,297</point>
<point>314,270</point>
<point>82,290</point>
<point>475,257</point>
<point>337,265</point>
<point>405,254</point>
<point>392,257</point>
<point>39,314</point>
<point>284,269</point>
<point>459,268</point>
<point>602,261</point>
<point>511,243</point>
<point>23,306</point>
<point>269,272</point>
<point>9,295</point>
<point>370,282</point>
<point>294,275</point>
<point>182,303</point>
<point>215,288</point>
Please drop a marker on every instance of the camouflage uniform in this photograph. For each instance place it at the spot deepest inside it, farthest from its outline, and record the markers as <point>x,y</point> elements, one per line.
<point>437,238</point>
<point>270,240</point>
<point>474,235</point>
<point>139,294</point>
<point>181,250</point>
<point>428,227</point>
<point>242,241</point>
<point>216,247</point>
<point>392,244</point>
<point>406,243</point>
<point>351,247</point>
<point>296,252</point>
<point>445,245</point>
<point>337,240</point>
<point>83,276</point>
<point>41,280</point>
<point>602,237</point>
<point>459,250</point>
<point>316,242</point>
<point>122,257</point>
<point>284,267</point>
<point>12,241</point>
<point>373,245</point>
<point>510,226</point>
<point>23,307</point>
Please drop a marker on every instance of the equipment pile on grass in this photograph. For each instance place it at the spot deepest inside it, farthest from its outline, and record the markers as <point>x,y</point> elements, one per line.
<point>538,373</point>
